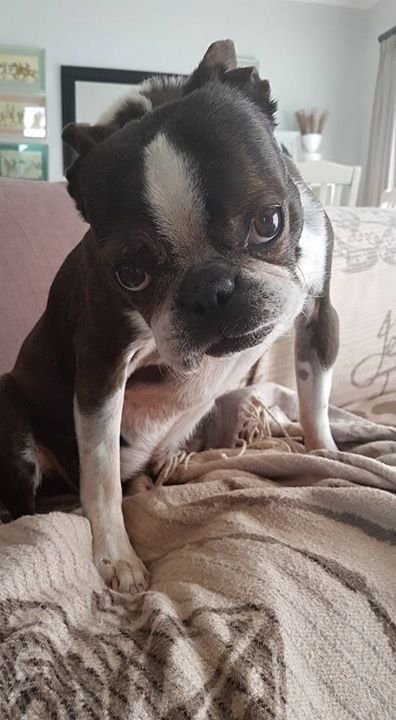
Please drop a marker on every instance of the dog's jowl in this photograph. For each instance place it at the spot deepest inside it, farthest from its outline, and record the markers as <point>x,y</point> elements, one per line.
<point>203,246</point>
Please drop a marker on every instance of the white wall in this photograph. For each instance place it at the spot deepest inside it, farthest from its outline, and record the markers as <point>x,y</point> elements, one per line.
<point>313,54</point>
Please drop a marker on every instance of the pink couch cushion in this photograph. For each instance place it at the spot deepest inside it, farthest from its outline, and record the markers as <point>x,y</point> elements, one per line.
<point>38,228</point>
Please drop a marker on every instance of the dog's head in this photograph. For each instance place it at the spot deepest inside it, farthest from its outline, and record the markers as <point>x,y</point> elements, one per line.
<point>194,212</point>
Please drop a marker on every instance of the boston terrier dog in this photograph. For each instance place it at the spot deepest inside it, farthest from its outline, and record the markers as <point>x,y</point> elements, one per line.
<point>204,245</point>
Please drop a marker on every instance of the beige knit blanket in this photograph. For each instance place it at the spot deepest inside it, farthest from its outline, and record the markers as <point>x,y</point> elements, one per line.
<point>273,592</point>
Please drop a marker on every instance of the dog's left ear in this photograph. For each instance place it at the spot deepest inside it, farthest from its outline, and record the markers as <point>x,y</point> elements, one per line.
<point>219,57</point>
<point>249,82</point>
<point>82,138</point>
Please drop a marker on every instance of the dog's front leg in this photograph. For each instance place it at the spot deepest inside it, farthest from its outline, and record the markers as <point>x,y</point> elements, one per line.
<point>316,349</point>
<point>98,425</point>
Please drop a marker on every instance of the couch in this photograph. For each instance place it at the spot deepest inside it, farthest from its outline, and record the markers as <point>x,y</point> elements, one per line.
<point>272,570</point>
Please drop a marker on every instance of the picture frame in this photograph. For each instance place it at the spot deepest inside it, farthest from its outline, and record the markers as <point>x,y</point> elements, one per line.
<point>73,76</point>
<point>24,161</point>
<point>22,69</point>
<point>23,115</point>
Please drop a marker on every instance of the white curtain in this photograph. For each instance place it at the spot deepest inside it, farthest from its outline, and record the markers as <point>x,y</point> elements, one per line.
<point>380,172</point>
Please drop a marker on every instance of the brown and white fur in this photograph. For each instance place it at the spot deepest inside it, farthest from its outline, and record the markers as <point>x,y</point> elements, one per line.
<point>204,246</point>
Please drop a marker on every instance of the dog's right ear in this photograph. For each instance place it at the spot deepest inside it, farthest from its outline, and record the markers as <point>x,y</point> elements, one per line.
<point>248,81</point>
<point>82,138</point>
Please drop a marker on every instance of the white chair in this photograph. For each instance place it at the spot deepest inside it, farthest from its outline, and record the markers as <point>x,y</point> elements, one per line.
<point>388,199</point>
<point>332,183</point>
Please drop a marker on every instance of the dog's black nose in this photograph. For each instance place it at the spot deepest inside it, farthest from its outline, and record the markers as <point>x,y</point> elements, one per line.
<point>207,289</point>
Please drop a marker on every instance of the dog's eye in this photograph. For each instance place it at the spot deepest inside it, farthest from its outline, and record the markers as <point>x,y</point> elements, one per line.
<point>132,278</point>
<point>266,226</point>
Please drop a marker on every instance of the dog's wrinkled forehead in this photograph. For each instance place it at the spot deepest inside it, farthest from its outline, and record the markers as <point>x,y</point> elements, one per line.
<point>199,163</point>
<point>195,151</point>
<point>209,169</point>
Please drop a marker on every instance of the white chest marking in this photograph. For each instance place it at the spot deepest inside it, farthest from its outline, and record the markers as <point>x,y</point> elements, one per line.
<point>164,417</point>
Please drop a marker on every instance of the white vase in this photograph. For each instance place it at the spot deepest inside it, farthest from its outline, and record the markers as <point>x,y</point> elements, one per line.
<point>311,143</point>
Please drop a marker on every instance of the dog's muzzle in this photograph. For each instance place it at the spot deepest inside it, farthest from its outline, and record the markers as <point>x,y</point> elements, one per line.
<point>215,302</point>
<point>206,291</point>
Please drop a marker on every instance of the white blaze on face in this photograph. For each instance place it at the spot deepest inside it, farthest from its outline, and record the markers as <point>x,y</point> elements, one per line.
<point>173,193</point>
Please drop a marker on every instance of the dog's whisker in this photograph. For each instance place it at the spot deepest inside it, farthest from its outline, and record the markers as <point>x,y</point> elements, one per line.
<point>303,277</point>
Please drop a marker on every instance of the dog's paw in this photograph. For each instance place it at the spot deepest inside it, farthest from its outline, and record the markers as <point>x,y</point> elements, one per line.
<point>126,576</point>
<point>142,483</point>
<point>165,466</point>
<point>125,573</point>
<point>159,459</point>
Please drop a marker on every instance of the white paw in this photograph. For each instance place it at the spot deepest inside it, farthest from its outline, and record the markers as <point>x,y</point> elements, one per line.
<point>124,571</point>
<point>159,459</point>
<point>165,465</point>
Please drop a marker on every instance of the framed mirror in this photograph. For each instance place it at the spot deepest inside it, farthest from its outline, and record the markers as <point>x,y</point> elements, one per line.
<point>87,92</point>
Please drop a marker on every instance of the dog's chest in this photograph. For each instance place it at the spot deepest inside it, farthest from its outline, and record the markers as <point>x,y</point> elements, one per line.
<point>161,411</point>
